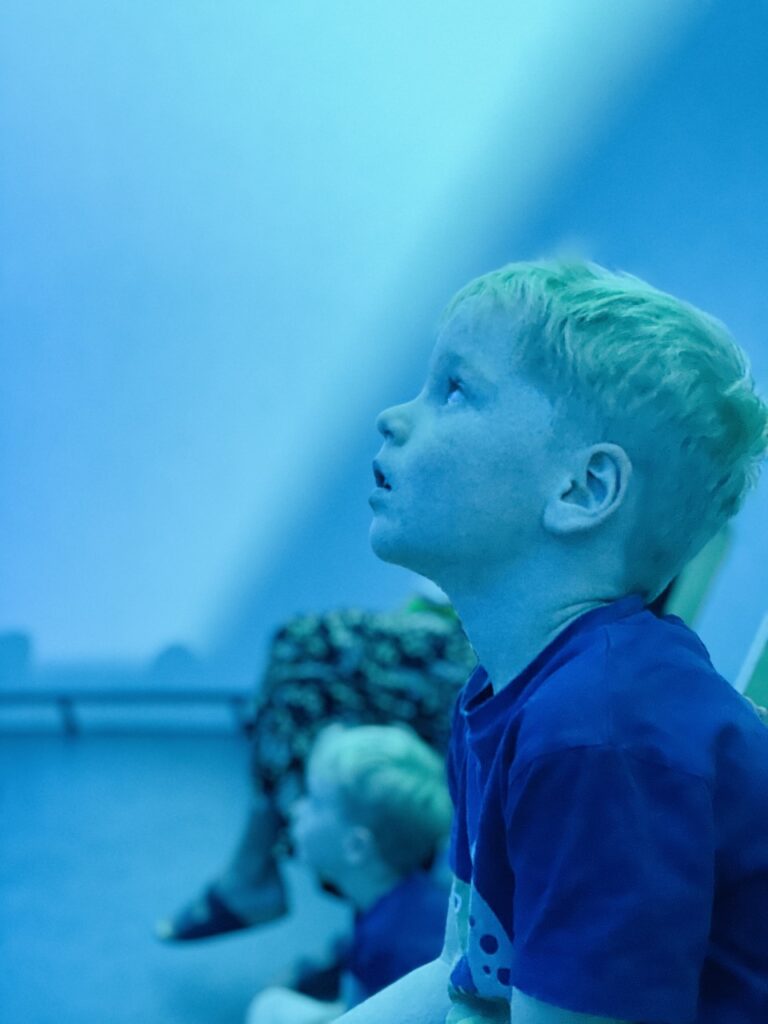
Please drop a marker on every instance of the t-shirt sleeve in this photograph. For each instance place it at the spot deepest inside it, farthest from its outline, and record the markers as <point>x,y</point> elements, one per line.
<point>613,860</point>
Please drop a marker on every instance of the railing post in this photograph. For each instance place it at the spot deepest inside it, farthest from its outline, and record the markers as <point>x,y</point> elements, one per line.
<point>238,704</point>
<point>68,717</point>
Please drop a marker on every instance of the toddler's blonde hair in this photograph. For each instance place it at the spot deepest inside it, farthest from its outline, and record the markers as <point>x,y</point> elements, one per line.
<point>389,780</point>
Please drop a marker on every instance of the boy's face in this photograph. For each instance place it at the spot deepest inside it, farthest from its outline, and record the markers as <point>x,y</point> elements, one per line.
<point>319,827</point>
<point>466,467</point>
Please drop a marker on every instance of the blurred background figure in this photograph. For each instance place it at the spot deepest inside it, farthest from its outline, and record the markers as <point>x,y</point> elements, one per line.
<point>375,815</point>
<point>346,665</point>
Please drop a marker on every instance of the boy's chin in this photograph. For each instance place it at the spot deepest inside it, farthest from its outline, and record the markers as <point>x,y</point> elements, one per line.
<point>389,547</point>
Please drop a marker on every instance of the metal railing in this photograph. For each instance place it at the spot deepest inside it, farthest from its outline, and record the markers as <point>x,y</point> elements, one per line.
<point>67,702</point>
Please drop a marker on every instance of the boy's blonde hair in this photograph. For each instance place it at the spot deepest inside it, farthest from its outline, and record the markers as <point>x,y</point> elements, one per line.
<point>389,780</point>
<point>645,370</point>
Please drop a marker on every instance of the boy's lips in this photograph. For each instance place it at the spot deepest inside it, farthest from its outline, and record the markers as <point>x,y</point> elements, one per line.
<point>378,498</point>
<point>383,487</point>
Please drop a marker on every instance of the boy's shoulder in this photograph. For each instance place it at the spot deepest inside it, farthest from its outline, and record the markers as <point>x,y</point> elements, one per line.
<point>644,684</point>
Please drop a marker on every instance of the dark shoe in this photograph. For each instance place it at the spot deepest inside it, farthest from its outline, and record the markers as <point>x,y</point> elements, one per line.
<point>205,918</point>
<point>319,982</point>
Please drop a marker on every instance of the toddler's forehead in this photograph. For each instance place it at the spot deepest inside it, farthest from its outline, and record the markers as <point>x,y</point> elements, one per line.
<point>321,787</point>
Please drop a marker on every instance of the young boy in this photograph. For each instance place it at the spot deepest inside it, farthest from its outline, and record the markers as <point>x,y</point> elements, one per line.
<point>376,810</point>
<point>579,437</point>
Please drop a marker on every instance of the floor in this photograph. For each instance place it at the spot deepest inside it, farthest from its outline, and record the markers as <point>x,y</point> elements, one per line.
<point>100,835</point>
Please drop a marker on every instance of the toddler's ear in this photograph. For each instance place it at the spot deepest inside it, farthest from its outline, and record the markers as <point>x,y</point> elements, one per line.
<point>358,845</point>
<point>593,491</point>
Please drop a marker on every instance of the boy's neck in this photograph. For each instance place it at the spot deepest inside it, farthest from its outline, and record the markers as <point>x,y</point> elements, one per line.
<point>510,623</point>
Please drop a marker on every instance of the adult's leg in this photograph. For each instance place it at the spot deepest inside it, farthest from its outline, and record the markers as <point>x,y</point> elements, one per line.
<point>295,698</point>
<point>248,892</point>
<point>251,881</point>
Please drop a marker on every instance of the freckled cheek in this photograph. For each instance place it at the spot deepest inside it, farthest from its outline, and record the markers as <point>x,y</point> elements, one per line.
<point>297,834</point>
<point>301,830</point>
<point>435,470</point>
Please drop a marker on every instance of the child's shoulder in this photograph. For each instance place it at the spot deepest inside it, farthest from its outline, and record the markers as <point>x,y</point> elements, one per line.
<point>618,659</point>
<point>383,950</point>
<point>644,684</point>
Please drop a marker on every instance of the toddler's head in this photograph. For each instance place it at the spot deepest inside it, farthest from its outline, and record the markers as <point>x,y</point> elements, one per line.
<point>571,406</point>
<point>376,801</point>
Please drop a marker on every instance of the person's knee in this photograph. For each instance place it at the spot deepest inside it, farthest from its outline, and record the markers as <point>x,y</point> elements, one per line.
<point>283,1006</point>
<point>269,1007</point>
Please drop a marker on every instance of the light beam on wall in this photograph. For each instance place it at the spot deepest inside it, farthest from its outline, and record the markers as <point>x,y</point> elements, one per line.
<point>217,223</point>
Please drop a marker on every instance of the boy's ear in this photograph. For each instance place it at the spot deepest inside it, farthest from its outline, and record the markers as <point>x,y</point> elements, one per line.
<point>592,492</point>
<point>358,845</point>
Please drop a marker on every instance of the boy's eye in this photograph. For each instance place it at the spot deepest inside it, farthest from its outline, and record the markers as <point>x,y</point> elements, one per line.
<point>454,388</point>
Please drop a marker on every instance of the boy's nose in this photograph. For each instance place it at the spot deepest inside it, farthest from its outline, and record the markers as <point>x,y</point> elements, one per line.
<point>393,424</point>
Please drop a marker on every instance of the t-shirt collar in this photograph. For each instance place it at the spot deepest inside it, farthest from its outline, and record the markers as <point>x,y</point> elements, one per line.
<point>478,695</point>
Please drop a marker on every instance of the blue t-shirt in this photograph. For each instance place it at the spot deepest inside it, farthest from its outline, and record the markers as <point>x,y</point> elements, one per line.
<point>610,841</point>
<point>400,932</point>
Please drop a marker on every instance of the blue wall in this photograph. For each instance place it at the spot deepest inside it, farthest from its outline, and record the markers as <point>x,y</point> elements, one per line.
<point>226,237</point>
<point>671,186</point>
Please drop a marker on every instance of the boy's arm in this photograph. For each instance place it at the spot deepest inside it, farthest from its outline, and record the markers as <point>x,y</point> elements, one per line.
<point>527,1010</point>
<point>421,997</point>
